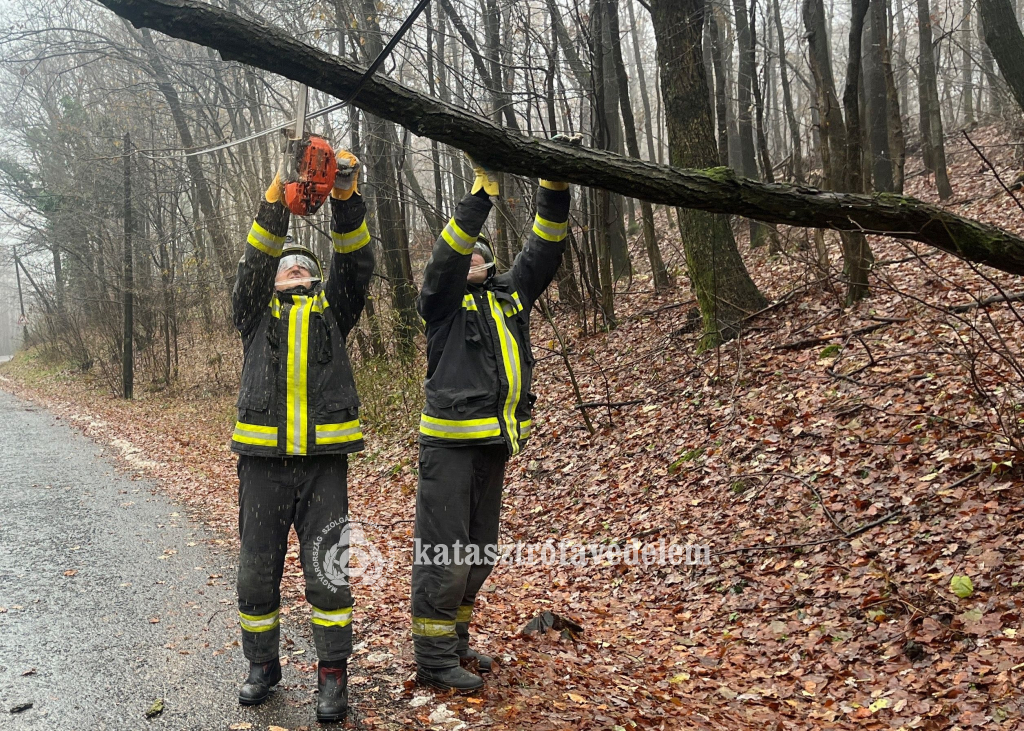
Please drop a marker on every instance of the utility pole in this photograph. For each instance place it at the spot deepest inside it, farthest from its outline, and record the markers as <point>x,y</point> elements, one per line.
<point>128,362</point>
<point>21,301</point>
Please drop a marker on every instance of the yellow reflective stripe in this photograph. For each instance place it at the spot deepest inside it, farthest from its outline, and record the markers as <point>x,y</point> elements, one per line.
<point>328,618</point>
<point>296,425</point>
<point>265,241</point>
<point>261,436</point>
<point>550,230</point>
<point>525,428</point>
<point>259,623</point>
<point>519,302</point>
<point>459,428</point>
<point>426,627</point>
<point>346,243</point>
<point>458,239</point>
<point>350,431</point>
<point>275,307</point>
<point>320,302</point>
<point>469,303</point>
<point>510,359</point>
<point>464,613</point>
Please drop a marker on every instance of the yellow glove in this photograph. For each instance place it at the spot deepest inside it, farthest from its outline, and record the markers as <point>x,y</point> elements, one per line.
<point>574,140</point>
<point>346,180</point>
<point>275,192</point>
<point>486,180</point>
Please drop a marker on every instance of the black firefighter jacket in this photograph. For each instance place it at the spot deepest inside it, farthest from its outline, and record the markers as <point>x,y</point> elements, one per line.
<point>297,395</point>
<point>479,359</point>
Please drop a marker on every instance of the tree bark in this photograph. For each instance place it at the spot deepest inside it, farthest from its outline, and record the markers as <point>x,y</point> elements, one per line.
<point>715,190</point>
<point>835,150</point>
<point>876,97</point>
<point>787,98</point>
<point>724,290</point>
<point>967,61</point>
<point>659,274</point>
<point>1003,36</point>
<point>721,91</point>
<point>933,145</point>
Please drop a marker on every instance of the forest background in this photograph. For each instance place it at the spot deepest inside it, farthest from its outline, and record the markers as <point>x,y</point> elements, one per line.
<point>836,413</point>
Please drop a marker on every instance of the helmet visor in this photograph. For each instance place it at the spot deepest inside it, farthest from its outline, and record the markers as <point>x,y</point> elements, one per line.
<point>299,260</point>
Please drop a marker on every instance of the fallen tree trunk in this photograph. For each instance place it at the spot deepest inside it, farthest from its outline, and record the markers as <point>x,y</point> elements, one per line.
<point>718,190</point>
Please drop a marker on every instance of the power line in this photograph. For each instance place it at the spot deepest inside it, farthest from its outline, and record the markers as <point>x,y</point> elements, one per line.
<point>367,75</point>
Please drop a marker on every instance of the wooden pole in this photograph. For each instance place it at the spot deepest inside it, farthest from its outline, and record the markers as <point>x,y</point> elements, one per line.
<point>128,360</point>
<point>21,301</point>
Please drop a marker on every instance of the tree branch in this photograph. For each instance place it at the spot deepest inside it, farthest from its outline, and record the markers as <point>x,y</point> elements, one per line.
<point>718,190</point>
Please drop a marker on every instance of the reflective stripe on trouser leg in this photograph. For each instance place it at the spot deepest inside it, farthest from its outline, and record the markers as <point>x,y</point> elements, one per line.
<point>266,505</point>
<point>332,632</point>
<point>446,501</point>
<point>321,522</point>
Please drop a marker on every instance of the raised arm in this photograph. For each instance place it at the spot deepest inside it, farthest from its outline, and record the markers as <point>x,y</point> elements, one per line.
<point>352,263</point>
<point>535,266</point>
<point>254,285</point>
<point>444,279</point>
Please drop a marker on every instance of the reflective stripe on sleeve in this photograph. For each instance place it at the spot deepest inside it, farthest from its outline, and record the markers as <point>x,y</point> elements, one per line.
<point>346,243</point>
<point>525,428</point>
<point>265,241</point>
<point>469,303</point>
<point>459,428</point>
<point>350,431</point>
<point>426,627</point>
<point>458,239</point>
<point>328,618</point>
<point>464,613</point>
<point>259,623</point>
<point>261,436</point>
<point>550,230</point>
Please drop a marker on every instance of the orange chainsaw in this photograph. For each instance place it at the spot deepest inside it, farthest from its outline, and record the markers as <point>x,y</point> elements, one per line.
<point>311,167</point>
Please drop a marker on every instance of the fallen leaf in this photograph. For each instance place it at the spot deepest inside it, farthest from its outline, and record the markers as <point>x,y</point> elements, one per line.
<point>240,726</point>
<point>962,586</point>
<point>879,704</point>
<point>156,709</point>
<point>71,572</point>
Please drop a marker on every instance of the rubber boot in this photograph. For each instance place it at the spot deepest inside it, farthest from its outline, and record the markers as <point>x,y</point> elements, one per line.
<point>332,699</point>
<point>456,678</point>
<point>471,657</point>
<point>262,676</point>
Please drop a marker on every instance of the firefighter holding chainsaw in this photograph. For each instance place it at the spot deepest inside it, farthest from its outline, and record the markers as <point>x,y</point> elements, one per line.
<point>298,418</point>
<point>477,415</point>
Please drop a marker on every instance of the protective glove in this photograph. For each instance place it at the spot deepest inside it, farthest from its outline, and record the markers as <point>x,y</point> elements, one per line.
<point>275,192</point>
<point>574,140</point>
<point>486,179</point>
<point>346,180</point>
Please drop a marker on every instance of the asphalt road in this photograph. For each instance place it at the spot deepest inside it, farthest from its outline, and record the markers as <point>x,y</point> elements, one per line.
<point>111,598</point>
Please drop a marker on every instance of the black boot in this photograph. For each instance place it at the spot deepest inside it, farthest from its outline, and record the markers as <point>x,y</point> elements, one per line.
<point>256,688</point>
<point>471,657</point>
<point>456,678</point>
<point>332,700</point>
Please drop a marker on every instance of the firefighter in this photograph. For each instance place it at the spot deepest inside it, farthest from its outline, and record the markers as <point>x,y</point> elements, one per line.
<point>297,423</point>
<point>477,415</point>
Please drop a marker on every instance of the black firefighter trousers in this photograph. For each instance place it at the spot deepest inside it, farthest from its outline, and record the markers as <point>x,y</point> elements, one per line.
<point>312,494</point>
<point>458,505</point>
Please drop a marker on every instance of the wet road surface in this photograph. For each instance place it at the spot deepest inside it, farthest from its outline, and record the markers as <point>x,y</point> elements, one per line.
<point>110,598</point>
